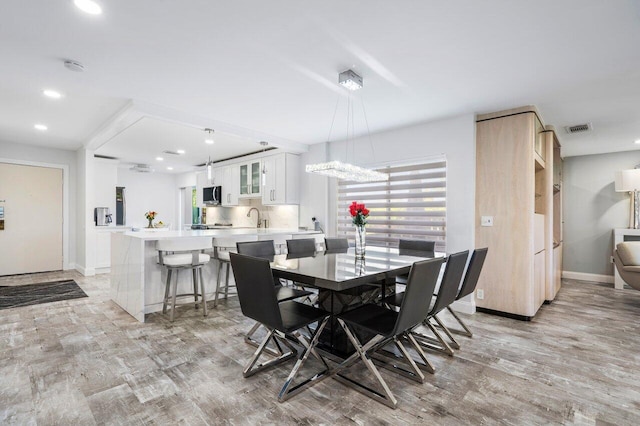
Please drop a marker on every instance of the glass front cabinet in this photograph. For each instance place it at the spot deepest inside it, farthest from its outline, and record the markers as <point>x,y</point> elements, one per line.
<point>250,178</point>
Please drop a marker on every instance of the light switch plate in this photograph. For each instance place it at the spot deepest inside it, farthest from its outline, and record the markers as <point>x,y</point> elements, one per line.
<point>480,294</point>
<point>486,221</point>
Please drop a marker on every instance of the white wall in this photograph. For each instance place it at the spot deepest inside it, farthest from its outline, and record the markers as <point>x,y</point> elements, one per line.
<point>149,191</point>
<point>592,209</point>
<point>314,189</point>
<point>26,154</point>
<point>105,182</point>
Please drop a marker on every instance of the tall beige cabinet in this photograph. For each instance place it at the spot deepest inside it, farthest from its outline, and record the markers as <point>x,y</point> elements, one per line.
<point>515,212</point>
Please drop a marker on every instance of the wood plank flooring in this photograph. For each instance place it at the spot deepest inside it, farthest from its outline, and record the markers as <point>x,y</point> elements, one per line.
<point>86,361</point>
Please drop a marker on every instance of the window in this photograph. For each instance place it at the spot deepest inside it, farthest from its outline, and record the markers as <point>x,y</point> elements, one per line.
<point>410,205</point>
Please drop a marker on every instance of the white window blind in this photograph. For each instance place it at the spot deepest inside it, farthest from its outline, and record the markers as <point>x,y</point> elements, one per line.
<point>410,205</point>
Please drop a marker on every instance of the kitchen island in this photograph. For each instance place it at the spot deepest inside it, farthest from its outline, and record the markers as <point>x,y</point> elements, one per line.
<point>138,281</point>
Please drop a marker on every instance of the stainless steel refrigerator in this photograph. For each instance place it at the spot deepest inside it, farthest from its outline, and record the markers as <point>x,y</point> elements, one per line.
<point>121,206</point>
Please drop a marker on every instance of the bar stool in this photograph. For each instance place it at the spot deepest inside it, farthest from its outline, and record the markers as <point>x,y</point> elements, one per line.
<point>183,253</point>
<point>222,247</point>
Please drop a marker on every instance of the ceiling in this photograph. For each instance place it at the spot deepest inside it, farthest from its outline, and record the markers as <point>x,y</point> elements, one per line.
<point>271,67</point>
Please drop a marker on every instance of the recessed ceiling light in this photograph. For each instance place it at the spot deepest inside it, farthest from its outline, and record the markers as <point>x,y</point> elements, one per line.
<point>52,94</point>
<point>88,6</point>
<point>159,159</point>
<point>180,151</point>
<point>40,127</point>
<point>637,141</point>
<point>169,168</point>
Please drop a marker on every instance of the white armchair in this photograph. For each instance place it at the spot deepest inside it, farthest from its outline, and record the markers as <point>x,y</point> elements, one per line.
<point>627,260</point>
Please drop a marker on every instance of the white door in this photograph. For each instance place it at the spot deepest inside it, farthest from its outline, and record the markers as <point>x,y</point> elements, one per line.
<point>31,240</point>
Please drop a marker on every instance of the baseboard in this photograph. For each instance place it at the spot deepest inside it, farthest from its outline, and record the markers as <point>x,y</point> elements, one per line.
<point>87,272</point>
<point>505,314</point>
<point>105,270</point>
<point>582,276</point>
<point>464,306</point>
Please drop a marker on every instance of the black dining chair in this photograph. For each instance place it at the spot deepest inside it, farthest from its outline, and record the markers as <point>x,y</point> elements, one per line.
<point>266,249</point>
<point>410,247</point>
<point>446,296</point>
<point>388,326</point>
<point>301,246</point>
<point>468,286</point>
<point>263,248</point>
<point>258,301</point>
<point>336,244</point>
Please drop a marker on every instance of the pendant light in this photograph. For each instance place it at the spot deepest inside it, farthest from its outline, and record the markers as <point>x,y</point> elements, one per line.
<point>343,170</point>
<point>209,141</point>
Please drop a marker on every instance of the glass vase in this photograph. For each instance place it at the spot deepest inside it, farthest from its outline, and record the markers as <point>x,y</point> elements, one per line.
<point>150,223</point>
<point>361,235</point>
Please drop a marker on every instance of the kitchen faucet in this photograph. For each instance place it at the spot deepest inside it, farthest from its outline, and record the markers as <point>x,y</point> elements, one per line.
<point>258,211</point>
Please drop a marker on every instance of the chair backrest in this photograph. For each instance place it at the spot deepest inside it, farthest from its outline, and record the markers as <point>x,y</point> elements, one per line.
<point>184,244</point>
<point>336,243</point>
<point>297,246</point>
<point>263,248</point>
<point>318,237</point>
<point>229,242</point>
<point>418,245</point>
<point>473,272</point>
<point>256,289</point>
<point>450,281</point>
<point>422,281</point>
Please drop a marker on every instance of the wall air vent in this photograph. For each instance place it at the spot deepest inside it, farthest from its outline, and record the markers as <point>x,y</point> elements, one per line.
<point>579,128</point>
<point>106,157</point>
<point>141,168</point>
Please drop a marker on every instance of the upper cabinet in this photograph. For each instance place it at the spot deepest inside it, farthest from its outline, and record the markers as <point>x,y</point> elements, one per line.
<point>231,185</point>
<point>250,179</point>
<point>280,181</point>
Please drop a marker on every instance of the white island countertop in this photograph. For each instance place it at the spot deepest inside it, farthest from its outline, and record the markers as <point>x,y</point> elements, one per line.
<point>160,234</point>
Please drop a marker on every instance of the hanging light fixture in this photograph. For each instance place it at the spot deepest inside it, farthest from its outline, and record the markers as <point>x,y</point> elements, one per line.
<point>338,169</point>
<point>209,141</point>
<point>264,166</point>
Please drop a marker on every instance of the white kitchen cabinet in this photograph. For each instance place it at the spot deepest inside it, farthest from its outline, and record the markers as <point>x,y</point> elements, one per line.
<point>231,185</point>
<point>201,182</point>
<point>281,184</point>
<point>250,179</point>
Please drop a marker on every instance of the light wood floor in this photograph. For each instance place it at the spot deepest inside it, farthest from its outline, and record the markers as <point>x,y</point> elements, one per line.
<point>85,361</point>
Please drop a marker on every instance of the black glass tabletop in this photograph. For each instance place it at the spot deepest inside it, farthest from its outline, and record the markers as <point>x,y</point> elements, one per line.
<point>343,270</point>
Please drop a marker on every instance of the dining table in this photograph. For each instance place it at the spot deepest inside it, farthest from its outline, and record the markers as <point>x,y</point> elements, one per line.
<point>345,281</point>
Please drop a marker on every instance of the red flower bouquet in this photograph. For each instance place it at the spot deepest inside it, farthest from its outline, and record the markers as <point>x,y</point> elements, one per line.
<point>359,214</point>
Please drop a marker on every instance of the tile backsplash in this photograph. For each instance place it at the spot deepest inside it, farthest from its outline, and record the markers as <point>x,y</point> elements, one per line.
<point>277,216</point>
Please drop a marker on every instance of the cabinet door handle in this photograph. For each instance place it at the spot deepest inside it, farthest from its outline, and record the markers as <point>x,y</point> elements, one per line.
<point>274,195</point>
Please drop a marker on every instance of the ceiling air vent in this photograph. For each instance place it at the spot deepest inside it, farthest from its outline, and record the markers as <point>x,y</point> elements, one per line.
<point>141,168</point>
<point>171,152</point>
<point>579,128</point>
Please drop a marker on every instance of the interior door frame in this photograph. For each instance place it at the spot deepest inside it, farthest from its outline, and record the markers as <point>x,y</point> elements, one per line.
<point>65,202</point>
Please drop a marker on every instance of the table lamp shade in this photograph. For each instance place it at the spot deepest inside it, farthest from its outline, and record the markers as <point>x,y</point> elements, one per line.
<point>627,180</point>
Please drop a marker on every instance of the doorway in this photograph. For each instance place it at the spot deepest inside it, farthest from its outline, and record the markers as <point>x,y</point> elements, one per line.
<point>31,198</point>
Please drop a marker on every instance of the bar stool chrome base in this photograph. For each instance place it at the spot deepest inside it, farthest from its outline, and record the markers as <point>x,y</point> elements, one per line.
<point>171,289</point>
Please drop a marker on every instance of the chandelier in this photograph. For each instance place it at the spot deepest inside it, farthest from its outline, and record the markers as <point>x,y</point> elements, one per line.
<point>344,170</point>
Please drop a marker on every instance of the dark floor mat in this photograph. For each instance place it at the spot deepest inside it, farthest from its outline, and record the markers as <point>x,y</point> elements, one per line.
<point>34,294</point>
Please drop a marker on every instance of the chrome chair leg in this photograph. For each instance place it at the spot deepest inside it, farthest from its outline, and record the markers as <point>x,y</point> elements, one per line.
<point>467,332</point>
<point>431,343</point>
<point>362,352</point>
<point>285,392</point>
<point>249,370</point>
<point>166,291</point>
<point>215,296</point>
<point>386,359</point>
<point>454,342</point>
<point>174,288</point>
<point>194,274</point>
<point>203,294</point>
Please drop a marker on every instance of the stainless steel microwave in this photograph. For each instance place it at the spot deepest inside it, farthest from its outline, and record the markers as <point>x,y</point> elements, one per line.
<point>212,196</point>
